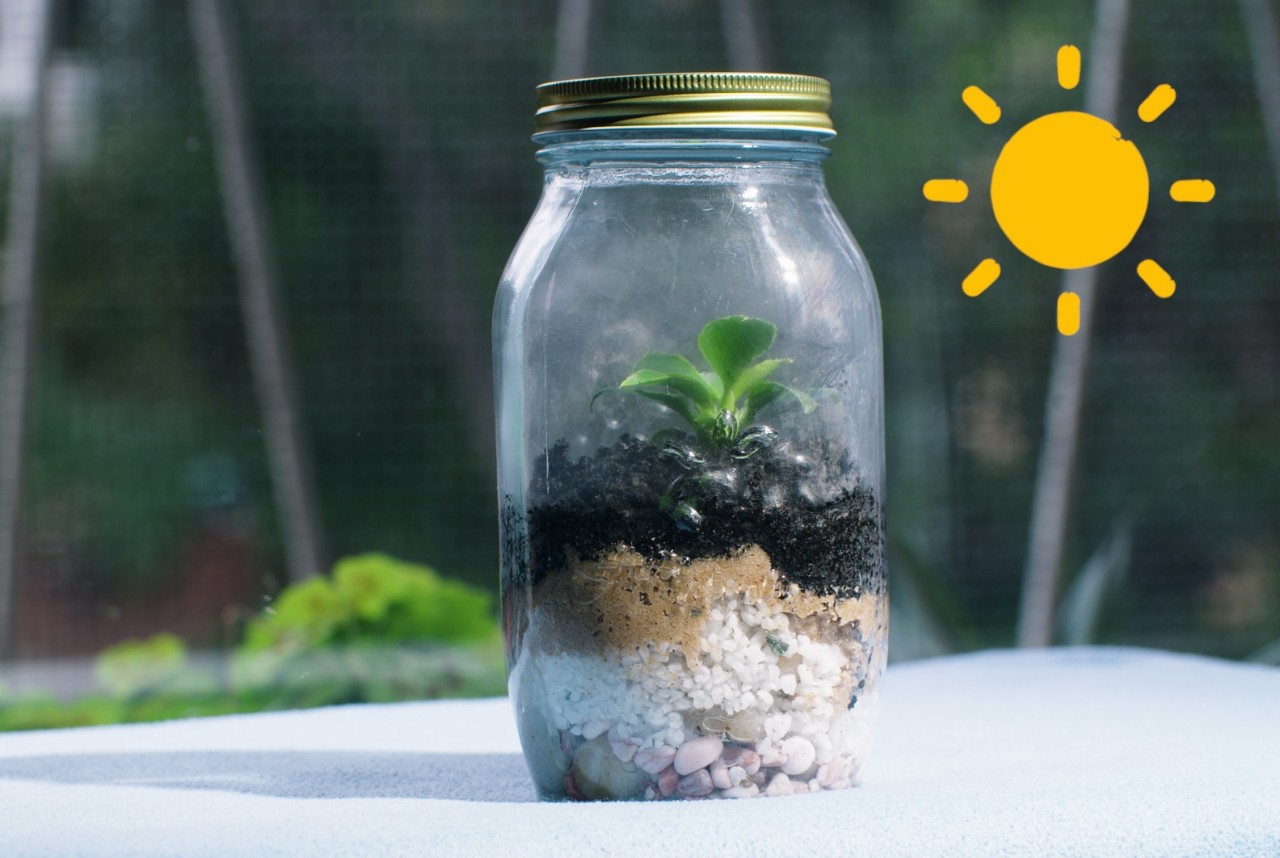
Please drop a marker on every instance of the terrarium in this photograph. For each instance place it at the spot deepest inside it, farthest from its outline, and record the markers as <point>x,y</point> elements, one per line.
<point>690,448</point>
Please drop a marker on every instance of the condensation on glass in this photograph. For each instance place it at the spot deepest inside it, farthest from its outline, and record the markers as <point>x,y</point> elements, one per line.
<point>690,448</point>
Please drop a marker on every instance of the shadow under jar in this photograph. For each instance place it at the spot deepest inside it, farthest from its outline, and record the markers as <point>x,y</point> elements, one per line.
<point>690,448</point>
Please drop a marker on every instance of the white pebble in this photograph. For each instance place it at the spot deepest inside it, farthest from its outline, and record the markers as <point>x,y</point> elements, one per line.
<point>697,754</point>
<point>772,758</point>
<point>654,760</point>
<point>623,748</point>
<point>738,776</point>
<point>831,772</point>
<point>748,791</point>
<point>780,785</point>
<point>720,774</point>
<point>800,755</point>
<point>595,727</point>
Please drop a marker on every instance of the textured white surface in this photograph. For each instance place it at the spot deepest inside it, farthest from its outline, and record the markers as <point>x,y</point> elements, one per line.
<point>1062,752</point>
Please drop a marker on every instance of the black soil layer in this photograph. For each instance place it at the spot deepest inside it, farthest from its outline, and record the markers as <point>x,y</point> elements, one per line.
<point>795,504</point>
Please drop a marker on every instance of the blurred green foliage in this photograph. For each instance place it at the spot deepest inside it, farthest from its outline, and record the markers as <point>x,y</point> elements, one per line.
<point>137,667</point>
<point>379,630</point>
<point>375,632</point>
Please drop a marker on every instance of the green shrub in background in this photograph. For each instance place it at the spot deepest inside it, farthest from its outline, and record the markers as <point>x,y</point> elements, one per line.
<point>139,667</point>
<point>378,630</point>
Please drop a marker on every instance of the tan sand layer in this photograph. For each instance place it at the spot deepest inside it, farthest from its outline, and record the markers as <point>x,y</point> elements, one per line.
<point>623,600</point>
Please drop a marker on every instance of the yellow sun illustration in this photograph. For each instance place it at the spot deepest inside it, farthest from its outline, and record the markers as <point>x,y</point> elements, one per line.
<point>1068,191</point>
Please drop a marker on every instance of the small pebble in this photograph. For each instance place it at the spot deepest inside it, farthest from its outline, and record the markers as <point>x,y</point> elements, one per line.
<point>595,727</point>
<point>720,774</point>
<point>780,785</point>
<point>745,757</point>
<point>738,776</point>
<point>654,760</point>
<point>698,753</point>
<point>760,777</point>
<point>696,784</point>
<point>571,788</point>
<point>800,755</point>
<point>623,749</point>
<point>773,758</point>
<point>831,772</point>
<point>741,791</point>
<point>667,781</point>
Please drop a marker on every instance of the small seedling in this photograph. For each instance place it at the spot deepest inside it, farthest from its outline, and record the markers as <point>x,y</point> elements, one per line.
<point>721,403</point>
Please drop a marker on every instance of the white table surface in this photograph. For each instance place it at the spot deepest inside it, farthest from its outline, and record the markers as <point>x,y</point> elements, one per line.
<point>1060,752</point>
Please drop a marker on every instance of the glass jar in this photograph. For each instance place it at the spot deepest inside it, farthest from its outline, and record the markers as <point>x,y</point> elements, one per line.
<point>690,447</point>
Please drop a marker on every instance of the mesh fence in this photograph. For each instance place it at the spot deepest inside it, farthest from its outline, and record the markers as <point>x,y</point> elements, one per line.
<point>392,142</point>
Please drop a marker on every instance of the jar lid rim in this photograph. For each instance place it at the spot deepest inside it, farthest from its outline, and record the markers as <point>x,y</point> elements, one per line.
<point>685,99</point>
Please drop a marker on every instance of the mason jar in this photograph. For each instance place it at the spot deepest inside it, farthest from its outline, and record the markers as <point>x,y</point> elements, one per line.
<point>690,447</point>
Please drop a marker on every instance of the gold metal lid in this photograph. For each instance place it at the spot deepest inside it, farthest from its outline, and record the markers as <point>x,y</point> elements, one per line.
<point>687,100</point>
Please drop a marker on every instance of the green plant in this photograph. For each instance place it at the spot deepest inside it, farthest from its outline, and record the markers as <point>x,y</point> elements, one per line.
<point>137,666</point>
<point>377,630</point>
<point>720,404</point>
<point>381,629</point>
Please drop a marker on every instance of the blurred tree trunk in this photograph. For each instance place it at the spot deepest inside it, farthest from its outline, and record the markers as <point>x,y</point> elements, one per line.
<point>21,276</point>
<point>1264,51</point>
<point>742,22</point>
<point>573,39</point>
<point>1051,505</point>
<point>269,354</point>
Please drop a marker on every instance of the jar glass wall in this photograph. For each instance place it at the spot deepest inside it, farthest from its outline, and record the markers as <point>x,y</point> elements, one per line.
<point>690,422</point>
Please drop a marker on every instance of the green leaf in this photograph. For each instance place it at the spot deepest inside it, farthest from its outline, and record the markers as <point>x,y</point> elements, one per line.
<point>806,400</point>
<point>752,376</point>
<point>675,372</point>
<point>732,343</point>
<point>675,402</point>
<point>715,383</point>
<point>644,376</point>
<point>765,393</point>
<point>759,397</point>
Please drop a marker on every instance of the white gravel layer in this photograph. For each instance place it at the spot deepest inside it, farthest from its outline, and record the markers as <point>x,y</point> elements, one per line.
<point>753,669</point>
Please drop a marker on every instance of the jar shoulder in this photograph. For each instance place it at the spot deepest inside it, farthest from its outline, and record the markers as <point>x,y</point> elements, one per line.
<point>615,234</point>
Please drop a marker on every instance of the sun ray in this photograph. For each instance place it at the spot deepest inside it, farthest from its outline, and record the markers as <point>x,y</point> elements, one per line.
<point>1160,100</point>
<point>1068,66</point>
<point>982,276</point>
<point>1156,278</point>
<point>983,106</point>
<point>1068,313</point>
<point>946,191</point>
<point>1192,191</point>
